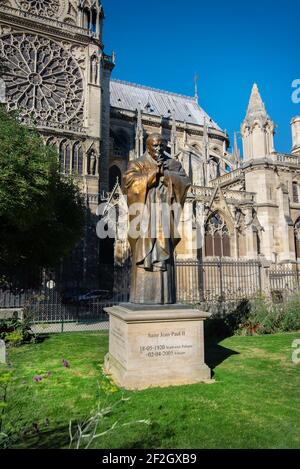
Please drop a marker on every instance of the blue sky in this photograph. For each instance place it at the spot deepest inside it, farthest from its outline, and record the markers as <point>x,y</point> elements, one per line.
<point>229,44</point>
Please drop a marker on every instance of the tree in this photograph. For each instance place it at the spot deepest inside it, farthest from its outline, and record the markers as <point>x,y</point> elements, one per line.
<point>41,212</point>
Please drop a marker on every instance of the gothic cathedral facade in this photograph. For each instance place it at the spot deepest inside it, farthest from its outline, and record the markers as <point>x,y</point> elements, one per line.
<point>59,78</point>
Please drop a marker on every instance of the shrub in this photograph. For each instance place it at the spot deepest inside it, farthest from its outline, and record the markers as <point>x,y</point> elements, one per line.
<point>256,316</point>
<point>15,332</point>
<point>267,318</point>
<point>291,317</point>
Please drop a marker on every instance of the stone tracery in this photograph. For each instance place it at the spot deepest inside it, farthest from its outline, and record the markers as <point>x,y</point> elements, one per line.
<point>44,80</point>
<point>45,7</point>
<point>217,237</point>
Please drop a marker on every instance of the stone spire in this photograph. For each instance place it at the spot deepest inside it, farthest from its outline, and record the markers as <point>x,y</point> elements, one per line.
<point>256,108</point>
<point>257,130</point>
<point>236,151</point>
<point>196,78</point>
<point>139,134</point>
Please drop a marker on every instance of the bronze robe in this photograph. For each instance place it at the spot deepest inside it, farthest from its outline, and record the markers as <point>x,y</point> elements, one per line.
<point>153,272</point>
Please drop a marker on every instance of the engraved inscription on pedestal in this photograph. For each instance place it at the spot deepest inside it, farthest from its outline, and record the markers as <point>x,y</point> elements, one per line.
<point>167,343</point>
<point>156,349</point>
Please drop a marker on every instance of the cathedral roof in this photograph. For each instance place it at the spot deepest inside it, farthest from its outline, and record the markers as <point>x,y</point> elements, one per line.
<point>129,96</point>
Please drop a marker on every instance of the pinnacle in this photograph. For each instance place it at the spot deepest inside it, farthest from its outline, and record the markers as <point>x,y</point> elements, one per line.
<point>256,107</point>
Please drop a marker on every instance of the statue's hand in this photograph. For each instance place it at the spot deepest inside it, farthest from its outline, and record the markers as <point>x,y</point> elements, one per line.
<point>160,168</point>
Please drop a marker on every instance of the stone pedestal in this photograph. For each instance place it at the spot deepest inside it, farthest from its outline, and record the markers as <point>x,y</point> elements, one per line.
<point>156,345</point>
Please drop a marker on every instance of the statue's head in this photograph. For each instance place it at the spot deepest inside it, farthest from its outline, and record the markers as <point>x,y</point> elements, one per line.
<point>156,146</point>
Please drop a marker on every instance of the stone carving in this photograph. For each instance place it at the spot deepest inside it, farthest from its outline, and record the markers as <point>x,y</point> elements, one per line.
<point>94,69</point>
<point>155,181</point>
<point>92,163</point>
<point>5,29</point>
<point>78,52</point>
<point>41,7</point>
<point>44,80</point>
<point>216,224</point>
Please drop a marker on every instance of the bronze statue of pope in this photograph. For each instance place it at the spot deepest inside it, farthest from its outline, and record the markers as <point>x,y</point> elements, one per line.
<point>154,181</point>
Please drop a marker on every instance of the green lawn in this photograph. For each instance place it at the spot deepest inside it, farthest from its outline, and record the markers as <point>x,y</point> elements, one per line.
<point>254,403</point>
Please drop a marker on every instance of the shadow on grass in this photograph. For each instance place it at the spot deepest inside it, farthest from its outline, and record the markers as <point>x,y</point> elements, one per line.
<point>41,338</point>
<point>215,354</point>
<point>47,439</point>
<point>220,327</point>
<point>58,438</point>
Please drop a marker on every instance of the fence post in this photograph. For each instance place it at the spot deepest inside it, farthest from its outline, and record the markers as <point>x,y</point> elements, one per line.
<point>221,279</point>
<point>265,277</point>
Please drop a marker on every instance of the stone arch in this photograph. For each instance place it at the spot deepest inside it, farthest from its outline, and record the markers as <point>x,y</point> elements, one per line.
<point>69,20</point>
<point>295,191</point>
<point>77,159</point>
<point>93,20</point>
<point>51,141</point>
<point>85,17</point>
<point>65,156</point>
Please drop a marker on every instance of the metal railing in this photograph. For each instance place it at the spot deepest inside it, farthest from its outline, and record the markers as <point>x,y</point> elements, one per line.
<point>284,278</point>
<point>217,280</point>
<point>57,305</point>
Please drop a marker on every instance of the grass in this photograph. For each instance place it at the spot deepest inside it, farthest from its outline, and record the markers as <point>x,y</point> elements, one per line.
<point>254,403</point>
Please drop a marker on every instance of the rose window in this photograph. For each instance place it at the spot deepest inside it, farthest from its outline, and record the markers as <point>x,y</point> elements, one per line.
<point>42,79</point>
<point>41,7</point>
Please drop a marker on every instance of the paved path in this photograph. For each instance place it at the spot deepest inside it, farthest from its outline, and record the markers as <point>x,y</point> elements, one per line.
<point>54,327</point>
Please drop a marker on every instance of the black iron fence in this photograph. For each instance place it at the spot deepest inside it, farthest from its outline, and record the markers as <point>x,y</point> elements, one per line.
<point>217,280</point>
<point>73,300</point>
<point>284,278</point>
<point>59,304</point>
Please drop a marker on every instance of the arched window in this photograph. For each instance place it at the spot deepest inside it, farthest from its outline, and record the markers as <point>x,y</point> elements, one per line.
<point>114,174</point>
<point>217,239</point>
<point>297,238</point>
<point>121,143</point>
<point>214,166</point>
<point>65,157</point>
<point>295,192</point>
<point>86,18</point>
<point>77,159</point>
<point>62,157</point>
<point>93,24</point>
